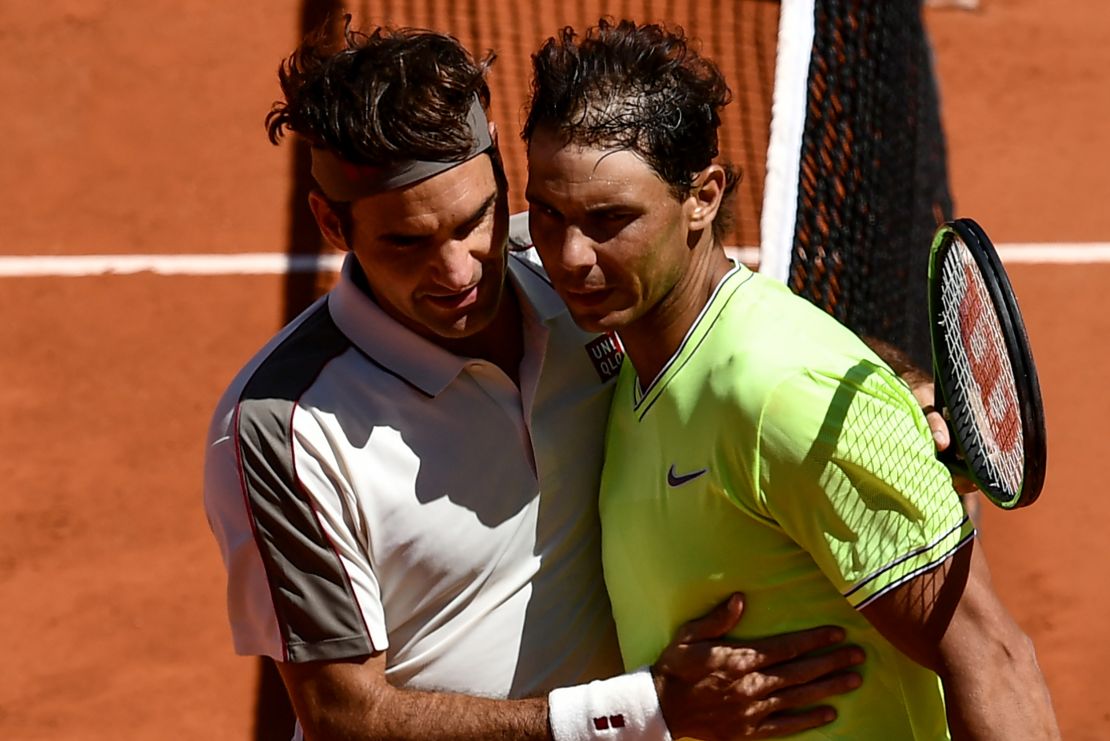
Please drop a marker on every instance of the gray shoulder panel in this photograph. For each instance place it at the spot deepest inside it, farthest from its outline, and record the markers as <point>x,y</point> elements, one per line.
<point>316,608</point>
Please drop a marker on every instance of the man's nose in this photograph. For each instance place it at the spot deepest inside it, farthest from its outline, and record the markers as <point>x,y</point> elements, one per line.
<point>455,263</point>
<point>578,251</point>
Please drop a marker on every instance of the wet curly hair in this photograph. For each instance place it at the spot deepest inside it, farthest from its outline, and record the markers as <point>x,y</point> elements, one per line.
<point>638,87</point>
<point>381,97</point>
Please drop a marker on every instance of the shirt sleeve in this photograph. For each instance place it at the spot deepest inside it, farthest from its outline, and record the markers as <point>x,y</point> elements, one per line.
<point>847,467</point>
<point>299,583</point>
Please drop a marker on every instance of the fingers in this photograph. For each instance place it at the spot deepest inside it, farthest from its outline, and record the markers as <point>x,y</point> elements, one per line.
<point>763,688</point>
<point>715,624</point>
<point>939,429</point>
<point>924,391</point>
<point>799,683</point>
<point>811,673</point>
<point>942,439</point>
<point>742,659</point>
<point>794,708</point>
<point>716,688</point>
<point>780,648</point>
<point>784,713</point>
<point>761,704</point>
<point>819,684</point>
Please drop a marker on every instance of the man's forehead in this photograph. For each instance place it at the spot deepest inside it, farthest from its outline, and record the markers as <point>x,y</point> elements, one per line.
<point>456,194</point>
<point>587,168</point>
<point>547,146</point>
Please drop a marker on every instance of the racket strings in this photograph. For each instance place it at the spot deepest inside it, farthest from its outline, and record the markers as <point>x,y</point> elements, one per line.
<point>980,368</point>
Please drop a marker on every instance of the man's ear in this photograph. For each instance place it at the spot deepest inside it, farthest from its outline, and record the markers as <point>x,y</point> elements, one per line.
<point>705,197</point>
<point>331,228</point>
<point>493,132</point>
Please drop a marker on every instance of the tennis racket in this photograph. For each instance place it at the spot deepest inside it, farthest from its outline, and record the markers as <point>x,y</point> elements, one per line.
<point>986,381</point>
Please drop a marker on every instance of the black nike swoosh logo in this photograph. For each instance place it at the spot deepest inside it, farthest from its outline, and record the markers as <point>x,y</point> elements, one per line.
<point>674,479</point>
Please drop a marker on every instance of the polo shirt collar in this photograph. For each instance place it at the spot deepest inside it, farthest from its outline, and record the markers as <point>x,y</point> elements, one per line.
<point>415,359</point>
<point>534,287</point>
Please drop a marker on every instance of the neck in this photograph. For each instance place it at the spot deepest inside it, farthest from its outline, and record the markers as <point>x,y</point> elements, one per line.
<point>653,339</point>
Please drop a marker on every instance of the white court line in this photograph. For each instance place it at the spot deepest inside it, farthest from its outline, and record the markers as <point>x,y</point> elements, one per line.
<point>276,263</point>
<point>259,263</point>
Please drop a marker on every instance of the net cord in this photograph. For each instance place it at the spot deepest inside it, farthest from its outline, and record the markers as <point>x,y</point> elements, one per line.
<point>784,150</point>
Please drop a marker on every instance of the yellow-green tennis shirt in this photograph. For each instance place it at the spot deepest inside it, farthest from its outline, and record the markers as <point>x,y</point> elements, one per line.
<point>776,455</point>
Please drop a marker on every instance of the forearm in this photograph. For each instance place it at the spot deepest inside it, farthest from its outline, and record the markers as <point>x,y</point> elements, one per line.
<point>950,620</point>
<point>431,716</point>
<point>994,689</point>
<point>350,701</point>
<point>1011,703</point>
<point>347,701</point>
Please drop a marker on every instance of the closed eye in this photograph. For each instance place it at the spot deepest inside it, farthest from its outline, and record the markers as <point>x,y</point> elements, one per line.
<point>542,209</point>
<point>405,240</point>
<point>612,217</point>
<point>605,224</point>
<point>478,218</point>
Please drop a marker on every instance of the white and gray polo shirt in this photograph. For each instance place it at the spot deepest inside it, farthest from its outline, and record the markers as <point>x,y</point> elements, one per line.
<point>373,492</point>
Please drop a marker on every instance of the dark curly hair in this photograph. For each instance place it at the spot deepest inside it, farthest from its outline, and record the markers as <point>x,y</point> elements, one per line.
<point>381,97</point>
<point>638,87</point>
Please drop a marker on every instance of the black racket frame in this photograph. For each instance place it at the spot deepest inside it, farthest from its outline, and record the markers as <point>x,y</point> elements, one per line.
<point>1031,409</point>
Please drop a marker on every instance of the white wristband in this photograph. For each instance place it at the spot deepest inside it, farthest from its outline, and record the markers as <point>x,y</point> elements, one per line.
<point>623,708</point>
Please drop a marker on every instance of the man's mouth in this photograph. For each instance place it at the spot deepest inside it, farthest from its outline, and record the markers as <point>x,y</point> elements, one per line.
<point>588,298</point>
<point>459,300</point>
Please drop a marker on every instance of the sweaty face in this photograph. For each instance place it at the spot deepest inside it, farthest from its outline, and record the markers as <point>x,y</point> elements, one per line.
<point>434,253</point>
<point>611,234</point>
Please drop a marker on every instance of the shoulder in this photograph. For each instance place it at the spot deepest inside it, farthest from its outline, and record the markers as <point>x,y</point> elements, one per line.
<point>797,371</point>
<point>279,372</point>
<point>769,313</point>
<point>782,341</point>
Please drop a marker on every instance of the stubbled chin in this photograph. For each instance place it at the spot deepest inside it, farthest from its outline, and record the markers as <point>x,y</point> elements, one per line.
<point>476,318</point>
<point>461,329</point>
<point>593,321</point>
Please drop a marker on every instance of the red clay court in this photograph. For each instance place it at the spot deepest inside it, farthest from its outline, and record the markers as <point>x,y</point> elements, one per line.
<point>139,131</point>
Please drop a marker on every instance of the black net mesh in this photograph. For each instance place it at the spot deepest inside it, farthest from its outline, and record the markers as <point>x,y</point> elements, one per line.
<point>873,183</point>
<point>739,35</point>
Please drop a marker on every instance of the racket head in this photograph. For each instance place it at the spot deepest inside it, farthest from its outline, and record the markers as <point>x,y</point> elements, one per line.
<point>998,427</point>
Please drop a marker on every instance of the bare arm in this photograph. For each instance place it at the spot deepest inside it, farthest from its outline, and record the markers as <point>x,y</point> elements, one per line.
<point>705,683</point>
<point>951,621</point>
<point>348,700</point>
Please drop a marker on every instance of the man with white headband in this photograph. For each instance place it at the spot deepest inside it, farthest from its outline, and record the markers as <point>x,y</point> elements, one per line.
<point>403,482</point>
